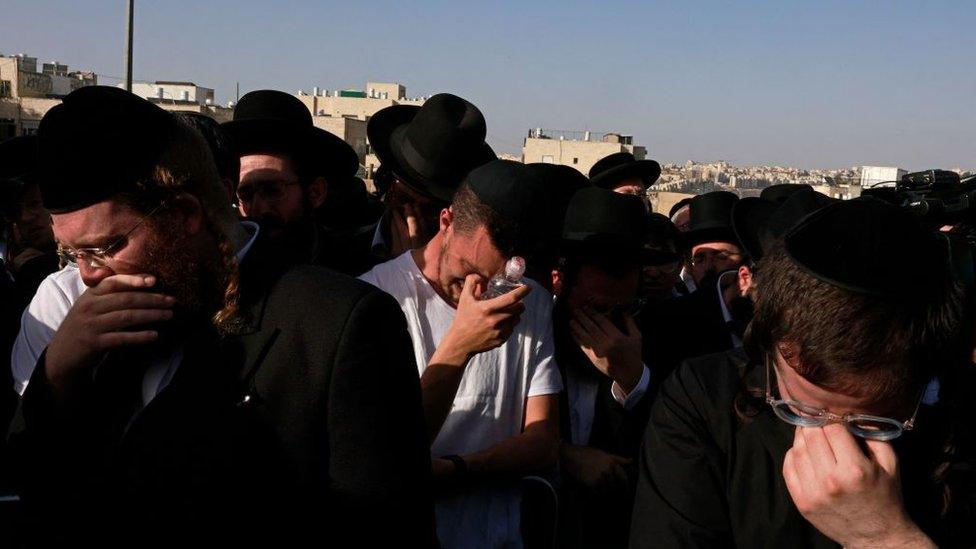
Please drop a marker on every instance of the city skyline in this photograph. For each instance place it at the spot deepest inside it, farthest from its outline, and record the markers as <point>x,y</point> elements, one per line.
<point>824,86</point>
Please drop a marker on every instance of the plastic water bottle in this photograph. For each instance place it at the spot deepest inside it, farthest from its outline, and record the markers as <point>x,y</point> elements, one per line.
<point>503,283</point>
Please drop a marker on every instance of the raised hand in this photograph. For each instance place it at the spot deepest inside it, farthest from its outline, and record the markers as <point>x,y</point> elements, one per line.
<point>851,496</point>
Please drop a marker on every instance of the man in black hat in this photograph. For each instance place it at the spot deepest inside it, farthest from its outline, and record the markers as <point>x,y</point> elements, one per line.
<point>197,381</point>
<point>825,434</point>
<point>622,173</point>
<point>598,347</point>
<point>425,152</point>
<point>662,258</point>
<point>703,320</point>
<point>287,166</point>
<point>560,184</point>
<point>487,373</point>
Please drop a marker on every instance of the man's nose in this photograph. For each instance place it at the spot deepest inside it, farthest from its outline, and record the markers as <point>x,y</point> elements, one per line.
<point>91,276</point>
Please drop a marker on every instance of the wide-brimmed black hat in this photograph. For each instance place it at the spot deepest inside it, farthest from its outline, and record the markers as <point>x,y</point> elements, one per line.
<point>678,205</point>
<point>602,221</point>
<point>759,223</point>
<point>871,247</point>
<point>617,167</point>
<point>780,192</point>
<point>98,142</point>
<point>18,157</point>
<point>432,147</point>
<point>560,183</point>
<point>517,194</point>
<point>711,219</point>
<point>272,121</point>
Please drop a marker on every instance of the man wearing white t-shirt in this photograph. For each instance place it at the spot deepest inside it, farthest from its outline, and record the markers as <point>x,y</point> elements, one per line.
<point>488,378</point>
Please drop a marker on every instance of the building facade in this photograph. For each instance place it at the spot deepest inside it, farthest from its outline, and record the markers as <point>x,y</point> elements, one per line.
<point>578,149</point>
<point>26,94</point>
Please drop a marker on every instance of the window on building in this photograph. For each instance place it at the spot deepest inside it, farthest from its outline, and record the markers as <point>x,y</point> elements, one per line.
<point>575,160</point>
<point>547,159</point>
<point>4,88</point>
<point>7,128</point>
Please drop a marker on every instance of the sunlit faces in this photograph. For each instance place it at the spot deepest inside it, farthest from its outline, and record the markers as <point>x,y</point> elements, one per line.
<point>98,226</point>
<point>465,253</point>
<point>271,190</point>
<point>633,185</point>
<point>714,258</point>
<point>792,386</point>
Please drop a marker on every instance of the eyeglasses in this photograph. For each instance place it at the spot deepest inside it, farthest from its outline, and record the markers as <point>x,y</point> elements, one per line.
<point>97,258</point>
<point>630,308</point>
<point>720,255</point>
<point>860,425</point>
<point>271,191</point>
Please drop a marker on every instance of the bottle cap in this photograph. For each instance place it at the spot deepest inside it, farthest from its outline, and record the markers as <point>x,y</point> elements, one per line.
<point>515,268</point>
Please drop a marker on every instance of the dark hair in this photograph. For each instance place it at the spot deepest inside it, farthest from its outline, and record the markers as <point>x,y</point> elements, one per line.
<point>225,157</point>
<point>470,213</point>
<point>853,343</point>
<point>186,165</point>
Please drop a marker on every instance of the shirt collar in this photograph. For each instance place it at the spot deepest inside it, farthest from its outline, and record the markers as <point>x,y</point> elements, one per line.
<point>726,315</point>
<point>253,230</point>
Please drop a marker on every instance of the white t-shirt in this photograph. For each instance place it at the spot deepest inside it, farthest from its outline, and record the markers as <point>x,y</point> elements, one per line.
<point>490,402</point>
<point>50,304</point>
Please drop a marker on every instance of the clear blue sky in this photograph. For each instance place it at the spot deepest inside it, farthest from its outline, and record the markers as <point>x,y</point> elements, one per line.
<point>812,84</point>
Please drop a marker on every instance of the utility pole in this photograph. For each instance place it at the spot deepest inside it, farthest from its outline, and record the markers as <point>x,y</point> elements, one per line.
<point>128,47</point>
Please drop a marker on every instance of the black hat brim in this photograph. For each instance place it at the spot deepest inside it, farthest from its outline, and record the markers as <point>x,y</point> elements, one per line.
<point>323,152</point>
<point>717,233</point>
<point>748,217</point>
<point>647,170</point>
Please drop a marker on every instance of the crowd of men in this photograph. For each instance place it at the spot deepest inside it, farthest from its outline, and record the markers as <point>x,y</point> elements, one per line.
<point>216,335</point>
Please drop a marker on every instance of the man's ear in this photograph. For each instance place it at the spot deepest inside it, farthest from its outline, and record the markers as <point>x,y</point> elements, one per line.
<point>190,208</point>
<point>557,282</point>
<point>744,280</point>
<point>446,218</point>
<point>316,192</point>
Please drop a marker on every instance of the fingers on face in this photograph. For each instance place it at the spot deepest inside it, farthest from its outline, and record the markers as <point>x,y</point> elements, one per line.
<point>128,318</point>
<point>122,282</point>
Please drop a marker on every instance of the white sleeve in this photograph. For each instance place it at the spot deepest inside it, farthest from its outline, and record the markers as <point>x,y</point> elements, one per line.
<point>628,401</point>
<point>546,379</point>
<point>370,277</point>
<point>40,320</point>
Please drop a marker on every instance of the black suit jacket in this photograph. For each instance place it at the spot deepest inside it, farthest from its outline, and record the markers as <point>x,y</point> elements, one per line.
<point>307,426</point>
<point>710,469</point>
<point>599,519</point>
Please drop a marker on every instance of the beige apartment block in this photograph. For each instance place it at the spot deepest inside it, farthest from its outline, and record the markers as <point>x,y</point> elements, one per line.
<point>663,201</point>
<point>578,149</point>
<point>355,103</point>
<point>350,130</point>
<point>163,90</point>
<point>26,94</point>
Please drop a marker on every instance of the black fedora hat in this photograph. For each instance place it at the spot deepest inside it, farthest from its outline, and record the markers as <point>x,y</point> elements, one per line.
<point>617,167</point>
<point>18,157</point>
<point>560,184</point>
<point>602,221</point>
<point>869,246</point>
<point>780,192</point>
<point>115,136</point>
<point>432,147</point>
<point>272,121</point>
<point>759,223</point>
<point>711,219</point>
